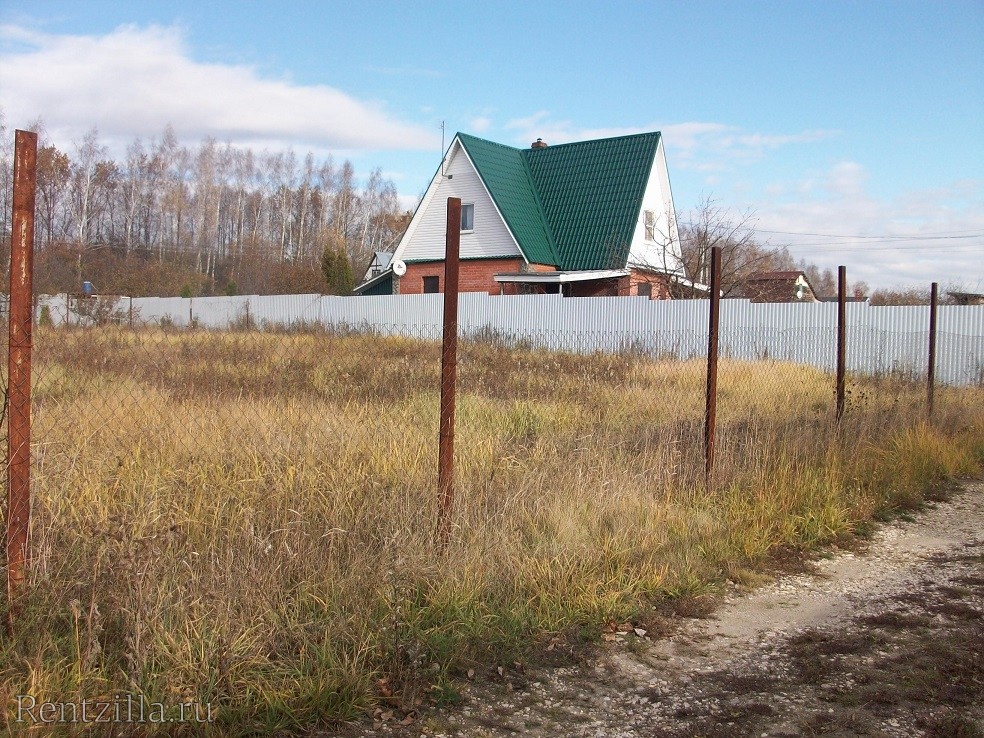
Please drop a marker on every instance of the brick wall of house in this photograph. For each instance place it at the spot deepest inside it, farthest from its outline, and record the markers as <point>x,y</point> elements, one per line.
<point>597,288</point>
<point>474,275</point>
<point>622,286</point>
<point>659,284</point>
<point>524,267</point>
<point>477,275</point>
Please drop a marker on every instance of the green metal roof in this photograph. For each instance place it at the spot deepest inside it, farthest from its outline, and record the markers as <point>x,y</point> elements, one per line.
<point>507,178</point>
<point>573,205</point>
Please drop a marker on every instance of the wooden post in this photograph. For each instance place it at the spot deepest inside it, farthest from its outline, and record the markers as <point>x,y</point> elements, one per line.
<point>710,396</point>
<point>931,367</point>
<point>21,316</point>
<point>841,338</point>
<point>449,371</point>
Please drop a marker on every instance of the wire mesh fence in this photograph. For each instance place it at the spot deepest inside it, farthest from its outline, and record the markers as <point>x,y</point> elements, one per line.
<point>359,403</point>
<point>281,384</point>
<point>239,511</point>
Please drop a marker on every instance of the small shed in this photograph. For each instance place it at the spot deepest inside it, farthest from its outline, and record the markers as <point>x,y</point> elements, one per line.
<point>967,298</point>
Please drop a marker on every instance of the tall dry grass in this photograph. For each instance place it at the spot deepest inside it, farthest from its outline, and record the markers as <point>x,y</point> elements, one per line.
<point>247,519</point>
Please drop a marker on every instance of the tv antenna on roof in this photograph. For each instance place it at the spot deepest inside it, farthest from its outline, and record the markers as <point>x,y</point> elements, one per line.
<point>443,153</point>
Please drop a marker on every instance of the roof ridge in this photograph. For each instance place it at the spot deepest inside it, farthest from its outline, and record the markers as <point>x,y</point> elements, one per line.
<point>567,174</point>
<point>593,140</point>
<point>459,134</point>
<point>539,206</point>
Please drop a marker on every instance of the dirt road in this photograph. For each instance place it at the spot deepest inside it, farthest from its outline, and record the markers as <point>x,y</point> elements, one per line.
<point>888,641</point>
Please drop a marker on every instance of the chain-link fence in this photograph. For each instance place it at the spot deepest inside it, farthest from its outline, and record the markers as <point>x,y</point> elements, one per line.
<point>242,512</point>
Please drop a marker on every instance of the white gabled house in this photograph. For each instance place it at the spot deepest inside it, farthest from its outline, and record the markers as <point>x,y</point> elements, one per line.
<point>582,219</point>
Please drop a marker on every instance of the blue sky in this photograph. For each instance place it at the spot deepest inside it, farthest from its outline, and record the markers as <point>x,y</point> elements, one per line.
<point>862,122</point>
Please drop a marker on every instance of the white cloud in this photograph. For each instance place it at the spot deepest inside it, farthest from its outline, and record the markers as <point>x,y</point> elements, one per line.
<point>480,124</point>
<point>696,145</point>
<point>135,80</point>
<point>911,239</point>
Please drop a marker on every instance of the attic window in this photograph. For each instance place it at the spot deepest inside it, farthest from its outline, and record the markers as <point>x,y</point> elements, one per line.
<point>650,216</point>
<point>468,217</point>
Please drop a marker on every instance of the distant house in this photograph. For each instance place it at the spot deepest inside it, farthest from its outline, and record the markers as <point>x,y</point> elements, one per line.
<point>579,219</point>
<point>786,286</point>
<point>380,263</point>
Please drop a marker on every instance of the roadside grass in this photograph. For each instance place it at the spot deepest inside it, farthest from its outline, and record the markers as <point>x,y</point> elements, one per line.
<point>247,519</point>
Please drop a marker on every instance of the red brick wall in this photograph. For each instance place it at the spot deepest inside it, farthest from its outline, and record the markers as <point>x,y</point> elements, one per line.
<point>660,284</point>
<point>621,287</point>
<point>595,288</point>
<point>474,275</point>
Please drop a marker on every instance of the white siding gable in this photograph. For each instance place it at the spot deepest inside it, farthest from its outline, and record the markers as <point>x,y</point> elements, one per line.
<point>663,252</point>
<point>424,239</point>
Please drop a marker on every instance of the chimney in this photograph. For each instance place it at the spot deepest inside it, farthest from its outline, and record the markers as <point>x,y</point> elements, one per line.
<point>539,144</point>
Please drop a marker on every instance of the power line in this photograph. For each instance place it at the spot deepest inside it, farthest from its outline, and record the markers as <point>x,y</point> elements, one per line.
<point>941,235</point>
<point>887,238</point>
<point>866,245</point>
<point>864,249</point>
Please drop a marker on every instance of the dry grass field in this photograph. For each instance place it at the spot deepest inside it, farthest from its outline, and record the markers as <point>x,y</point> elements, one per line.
<point>247,519</point>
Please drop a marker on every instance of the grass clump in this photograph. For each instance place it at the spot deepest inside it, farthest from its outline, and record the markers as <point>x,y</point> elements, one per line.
<point>246,519</point>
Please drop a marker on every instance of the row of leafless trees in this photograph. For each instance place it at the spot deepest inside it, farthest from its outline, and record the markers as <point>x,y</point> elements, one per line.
<point>742,252</point>
<point>215,204</point>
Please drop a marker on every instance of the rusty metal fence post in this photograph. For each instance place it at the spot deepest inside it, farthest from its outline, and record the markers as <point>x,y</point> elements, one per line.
<point>21,315</point>
<point>710,395</point>
<point>931,367</point>
<point>841,338</point>
<point>449,372</point>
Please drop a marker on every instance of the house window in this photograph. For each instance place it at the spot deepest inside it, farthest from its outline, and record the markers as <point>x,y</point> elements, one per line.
<point>468,217</point>
<point>644,289</point>
<point>432,284</point>
<point>650,218</point>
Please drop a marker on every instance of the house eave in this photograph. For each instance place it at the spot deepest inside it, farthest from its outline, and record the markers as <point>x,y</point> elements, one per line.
<point>374,281</point>
<point>692,285</point>
<point>560,277</point>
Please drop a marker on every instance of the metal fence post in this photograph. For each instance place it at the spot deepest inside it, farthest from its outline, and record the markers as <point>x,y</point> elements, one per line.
<point>931,367</point>
<point>19,367</point>
<point>841,338</point>
<point>710,396</point>
<point>449,371</point>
